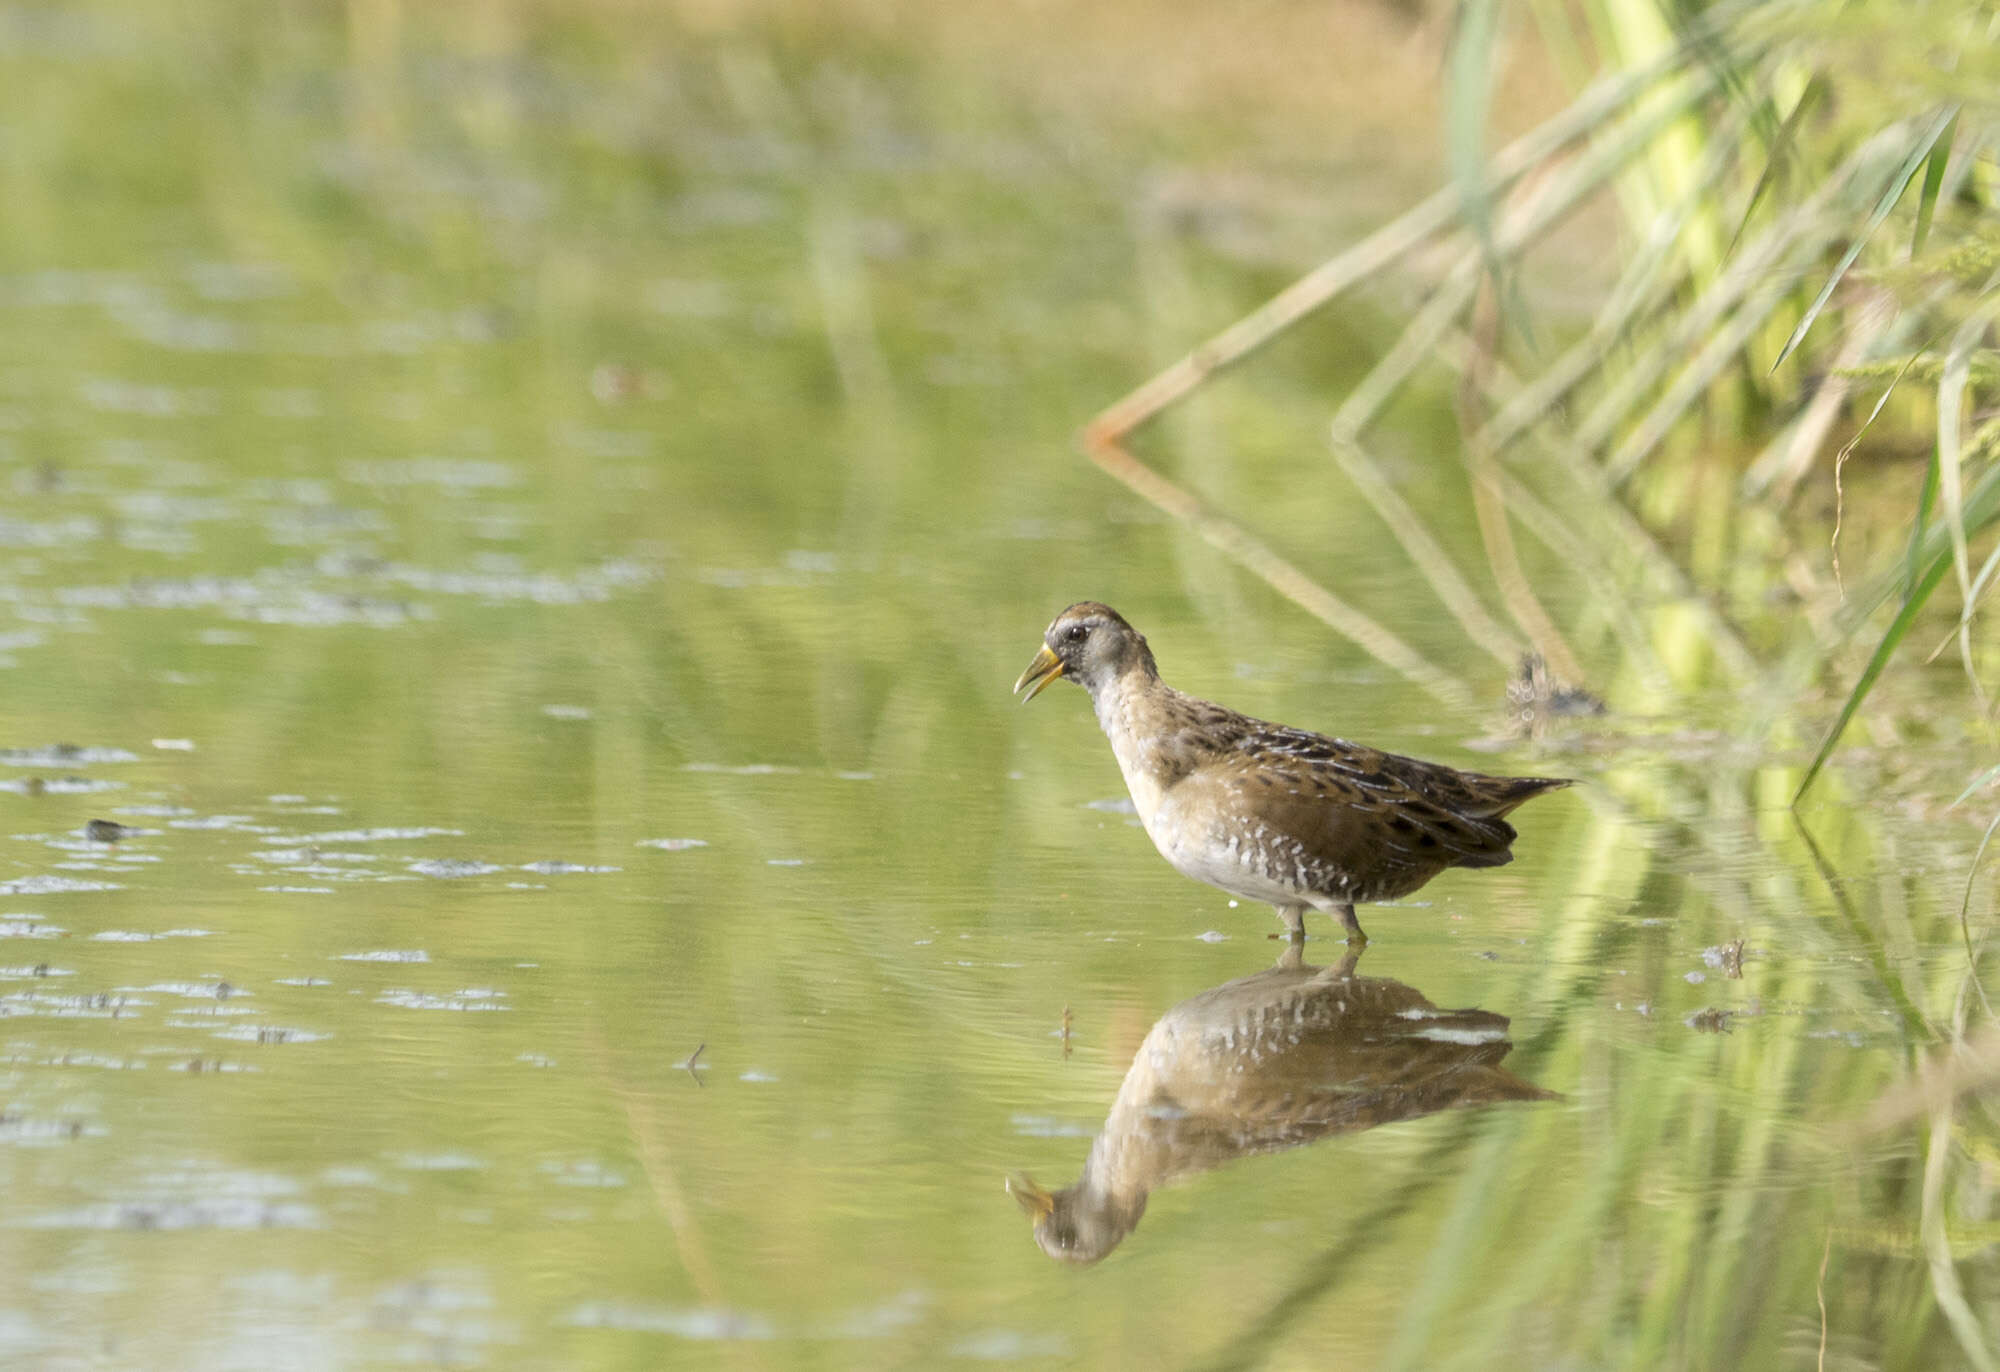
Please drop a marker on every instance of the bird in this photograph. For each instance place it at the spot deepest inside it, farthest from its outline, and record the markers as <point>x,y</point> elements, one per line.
<point>1267,812</point>
<point>1277,1060</point>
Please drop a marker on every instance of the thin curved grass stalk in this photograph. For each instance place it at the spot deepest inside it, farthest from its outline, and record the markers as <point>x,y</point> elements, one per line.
<point>1840,460</point>
<point>1918,154</point>
<point>1787,459</point>
<point>1933,553</point>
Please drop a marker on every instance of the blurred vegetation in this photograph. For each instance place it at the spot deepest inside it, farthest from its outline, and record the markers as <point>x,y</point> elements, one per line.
<point>790,310</point>
<point>1812,267</point>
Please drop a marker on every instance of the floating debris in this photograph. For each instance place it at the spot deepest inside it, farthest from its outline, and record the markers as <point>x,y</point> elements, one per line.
<point>50,886</point>
<point>29,1132</point>
<point>59,786</point>
<point>268,1034</point>
<point>104,831</point>
<point>451,868</point>
<point>375,835</point>
<point>474,998</point>
<point>222,1212</point>
<point>1710,1020</point>
<point>1726,958</point>
<point>63,755</point>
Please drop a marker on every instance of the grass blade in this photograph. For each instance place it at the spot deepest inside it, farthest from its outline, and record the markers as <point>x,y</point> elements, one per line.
<point>1979,781</point>
<point>1468,95</point>
<point>1926,503</point>
<point>1898,630</point>
<point>1927,198</point>
<point>1780,153</point>
<point>1891,193</point>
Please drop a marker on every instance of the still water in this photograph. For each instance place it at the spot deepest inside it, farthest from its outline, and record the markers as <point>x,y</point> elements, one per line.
<point>523,532</point>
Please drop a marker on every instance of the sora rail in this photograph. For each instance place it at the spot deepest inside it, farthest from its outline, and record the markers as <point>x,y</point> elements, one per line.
<point>1268,812</point>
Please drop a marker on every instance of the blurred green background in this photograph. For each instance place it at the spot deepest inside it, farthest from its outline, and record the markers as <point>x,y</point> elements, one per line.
<point>529,513</point>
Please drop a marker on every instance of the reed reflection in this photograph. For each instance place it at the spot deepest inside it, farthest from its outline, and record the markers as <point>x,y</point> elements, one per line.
<point>1282,1058</point>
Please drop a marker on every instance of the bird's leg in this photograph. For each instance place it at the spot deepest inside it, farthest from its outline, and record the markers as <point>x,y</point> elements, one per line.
<point>1294,917</point>
<point>1293,958</point>
<point>1345,913</point>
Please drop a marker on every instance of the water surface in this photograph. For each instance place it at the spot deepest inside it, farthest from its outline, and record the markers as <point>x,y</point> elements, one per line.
<point>528,535</point>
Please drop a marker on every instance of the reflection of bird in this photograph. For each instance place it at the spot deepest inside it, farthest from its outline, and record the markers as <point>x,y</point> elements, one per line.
<point>1284,1057</point>
<point>1268,812</point>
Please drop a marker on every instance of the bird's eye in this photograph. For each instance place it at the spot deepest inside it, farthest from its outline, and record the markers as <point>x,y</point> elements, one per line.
<point>1077,633</point>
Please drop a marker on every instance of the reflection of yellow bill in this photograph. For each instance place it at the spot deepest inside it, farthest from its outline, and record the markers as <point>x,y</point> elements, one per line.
<point>1045,668</point>
<point>1032,1199</point>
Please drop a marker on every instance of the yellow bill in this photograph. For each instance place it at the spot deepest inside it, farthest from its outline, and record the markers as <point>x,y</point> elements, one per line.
<point>1045,668</point>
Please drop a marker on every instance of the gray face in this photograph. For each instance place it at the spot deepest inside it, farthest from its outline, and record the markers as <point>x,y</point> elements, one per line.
<point>1093,643</point>
<point>1082,1229</point>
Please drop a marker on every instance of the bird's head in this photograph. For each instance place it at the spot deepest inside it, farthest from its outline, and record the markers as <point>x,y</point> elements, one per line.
<point>1091,645</point>
<point>1072,1225</point>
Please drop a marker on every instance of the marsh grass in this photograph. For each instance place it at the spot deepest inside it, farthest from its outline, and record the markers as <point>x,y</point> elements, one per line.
<point>1804,186</point>
<point>1699,1199</point>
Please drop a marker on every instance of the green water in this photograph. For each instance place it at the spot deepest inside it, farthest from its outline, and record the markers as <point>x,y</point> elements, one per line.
<point>531,528</point>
